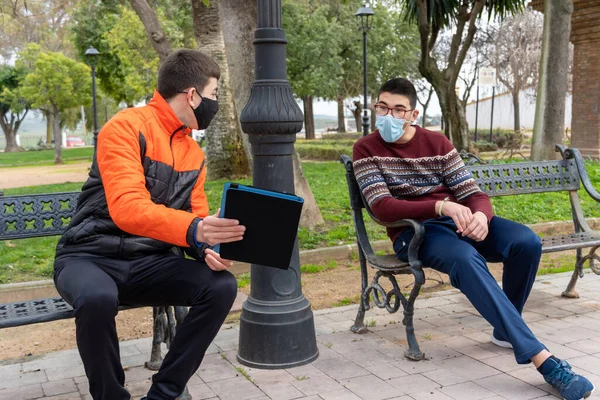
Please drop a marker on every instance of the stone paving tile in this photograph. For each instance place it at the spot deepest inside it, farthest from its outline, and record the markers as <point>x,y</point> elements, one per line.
<point>317,384</point>
<point>385,371</point>
<point>235,389</point>
<point>281,391</point>
<point>24,379</point>
<point>430,395</point>
<point>504,363</point>
<point>71,371</point>
<point>510,387</point>
<point>343,394</point>
<point>215,367</point>
<point>467,390</point>
<point>371,387</point>
<point>340,368</point>
<point>200,391</point>
<point>586,346</point>
<point>413,384</point>
<point>59,387</point>
<point>568,335</point>
<point>22,392</point>
<point>66,396</point>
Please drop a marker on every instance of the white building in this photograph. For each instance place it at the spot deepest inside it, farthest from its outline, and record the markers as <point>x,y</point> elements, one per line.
<point>503,111</point>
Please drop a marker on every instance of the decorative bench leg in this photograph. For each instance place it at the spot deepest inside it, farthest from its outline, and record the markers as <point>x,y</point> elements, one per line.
<point>414,352</point>
<point>359,322</point>
<point>158,337</point>
<point>578,272</point>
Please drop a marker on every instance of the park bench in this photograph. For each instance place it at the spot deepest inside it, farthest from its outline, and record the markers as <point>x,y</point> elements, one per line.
<point>34,216</point>
<point>516,178</point>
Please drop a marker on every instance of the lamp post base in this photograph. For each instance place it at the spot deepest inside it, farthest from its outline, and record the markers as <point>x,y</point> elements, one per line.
<point>277,334</point>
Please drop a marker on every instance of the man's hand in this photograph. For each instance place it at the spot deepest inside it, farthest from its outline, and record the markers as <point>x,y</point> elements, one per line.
<point>460,214</point>
<point>215,262</point>
<point>214,230</point>
<point>478,229</point>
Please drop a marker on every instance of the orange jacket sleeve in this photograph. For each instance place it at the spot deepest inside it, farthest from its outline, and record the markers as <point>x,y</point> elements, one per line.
<point>129,202</point>
<point>199,199</point>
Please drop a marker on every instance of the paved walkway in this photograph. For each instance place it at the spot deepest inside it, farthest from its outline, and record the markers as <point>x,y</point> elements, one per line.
<point>462,363</point>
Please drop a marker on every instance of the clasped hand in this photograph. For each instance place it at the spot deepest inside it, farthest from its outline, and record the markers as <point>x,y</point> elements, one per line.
<point>473,226</point>
<point>214,230</point>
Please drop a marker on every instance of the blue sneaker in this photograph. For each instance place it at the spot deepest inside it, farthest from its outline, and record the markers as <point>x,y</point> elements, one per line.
<point>570,385</point>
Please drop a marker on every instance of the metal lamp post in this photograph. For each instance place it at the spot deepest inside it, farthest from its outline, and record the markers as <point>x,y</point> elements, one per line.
<point>92,55</point>
<point>277,325</point>
<point>365,14</point>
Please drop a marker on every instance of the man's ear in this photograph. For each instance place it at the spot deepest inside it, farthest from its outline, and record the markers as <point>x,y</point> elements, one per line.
<point>415,115</point>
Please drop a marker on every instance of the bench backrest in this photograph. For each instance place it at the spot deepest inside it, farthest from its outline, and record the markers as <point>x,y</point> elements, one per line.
<point>526,177</point>
<point>36,215</point>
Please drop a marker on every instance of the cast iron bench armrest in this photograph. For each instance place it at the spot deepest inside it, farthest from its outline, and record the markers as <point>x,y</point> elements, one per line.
<point>571,153</point>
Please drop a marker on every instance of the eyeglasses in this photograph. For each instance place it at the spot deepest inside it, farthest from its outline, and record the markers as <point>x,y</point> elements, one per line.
<point>398,113</point>
<point>216,95</point>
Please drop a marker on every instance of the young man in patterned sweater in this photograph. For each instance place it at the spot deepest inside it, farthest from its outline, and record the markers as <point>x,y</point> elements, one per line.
<point>405,171</point>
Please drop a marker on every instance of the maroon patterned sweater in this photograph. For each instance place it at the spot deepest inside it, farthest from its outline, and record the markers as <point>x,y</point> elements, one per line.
<point>406,180</point>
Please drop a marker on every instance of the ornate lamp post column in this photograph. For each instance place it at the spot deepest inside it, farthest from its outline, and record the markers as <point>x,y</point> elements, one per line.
<point>365,14</point>
<point>277,326</point>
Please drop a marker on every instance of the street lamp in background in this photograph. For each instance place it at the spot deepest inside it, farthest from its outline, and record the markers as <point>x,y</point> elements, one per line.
<point>92,55</point>
<point>365,14</point>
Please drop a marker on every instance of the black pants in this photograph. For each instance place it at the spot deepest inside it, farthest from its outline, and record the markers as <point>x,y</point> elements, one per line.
<point>95,286</point>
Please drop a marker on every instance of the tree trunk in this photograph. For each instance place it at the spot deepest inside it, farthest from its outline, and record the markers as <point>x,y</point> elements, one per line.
<point>239,21</point>
<point>457,129</point>
<point>57,137</point>
<point>357,115</point>
<point>424,116</point>
<point>11,142</point>
<point>517,110</point>
<point>311,216</point>
<point>49,134</point>
<point>238,34</point>
<point>309,117</point>
<point>153,29</point>
<point>10,133</point>
<point>341,128</point>
<point>225,147</point>
<point>553,77</point>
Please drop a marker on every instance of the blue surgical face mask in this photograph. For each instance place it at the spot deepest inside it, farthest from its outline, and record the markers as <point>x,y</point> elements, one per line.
<point>390,128</point>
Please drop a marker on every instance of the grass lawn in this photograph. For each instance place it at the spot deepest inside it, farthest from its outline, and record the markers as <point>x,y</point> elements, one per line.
<point>31,259</point>
<point>43,157</point>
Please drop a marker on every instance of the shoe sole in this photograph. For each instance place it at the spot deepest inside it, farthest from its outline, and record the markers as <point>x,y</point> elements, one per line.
<point>588,394</point>
<point>501,343</point>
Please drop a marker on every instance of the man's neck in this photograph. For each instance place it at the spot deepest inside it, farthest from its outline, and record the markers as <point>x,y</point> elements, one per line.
<point>408,135</point>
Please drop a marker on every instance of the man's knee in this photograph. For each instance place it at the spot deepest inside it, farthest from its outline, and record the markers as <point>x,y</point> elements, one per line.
<point>220,292</point>
<point>96,304</point>
<point>525,240</point>
<point>224,288</point>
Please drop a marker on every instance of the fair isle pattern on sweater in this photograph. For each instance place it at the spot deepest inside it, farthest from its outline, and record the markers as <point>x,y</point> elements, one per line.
<point>408,177</point>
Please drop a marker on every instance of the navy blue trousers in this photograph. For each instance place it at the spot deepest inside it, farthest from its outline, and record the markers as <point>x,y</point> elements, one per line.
<point>464,260</point>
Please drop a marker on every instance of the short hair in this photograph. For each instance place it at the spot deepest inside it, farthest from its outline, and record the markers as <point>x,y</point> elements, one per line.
<point>183,69</point>
<point>402,87</point>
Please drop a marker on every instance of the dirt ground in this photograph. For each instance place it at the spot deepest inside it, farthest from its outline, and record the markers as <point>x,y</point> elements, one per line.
<point>330,288</point>
<point>43,175</point>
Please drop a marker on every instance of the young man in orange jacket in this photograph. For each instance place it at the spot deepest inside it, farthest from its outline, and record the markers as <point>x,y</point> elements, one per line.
<point>143,203</point>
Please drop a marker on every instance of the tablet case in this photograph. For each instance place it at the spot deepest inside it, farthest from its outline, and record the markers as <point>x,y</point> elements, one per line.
<point>271,219</point>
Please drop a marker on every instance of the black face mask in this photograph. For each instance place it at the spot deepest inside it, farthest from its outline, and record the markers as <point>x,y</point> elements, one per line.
<point>205,112</point>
